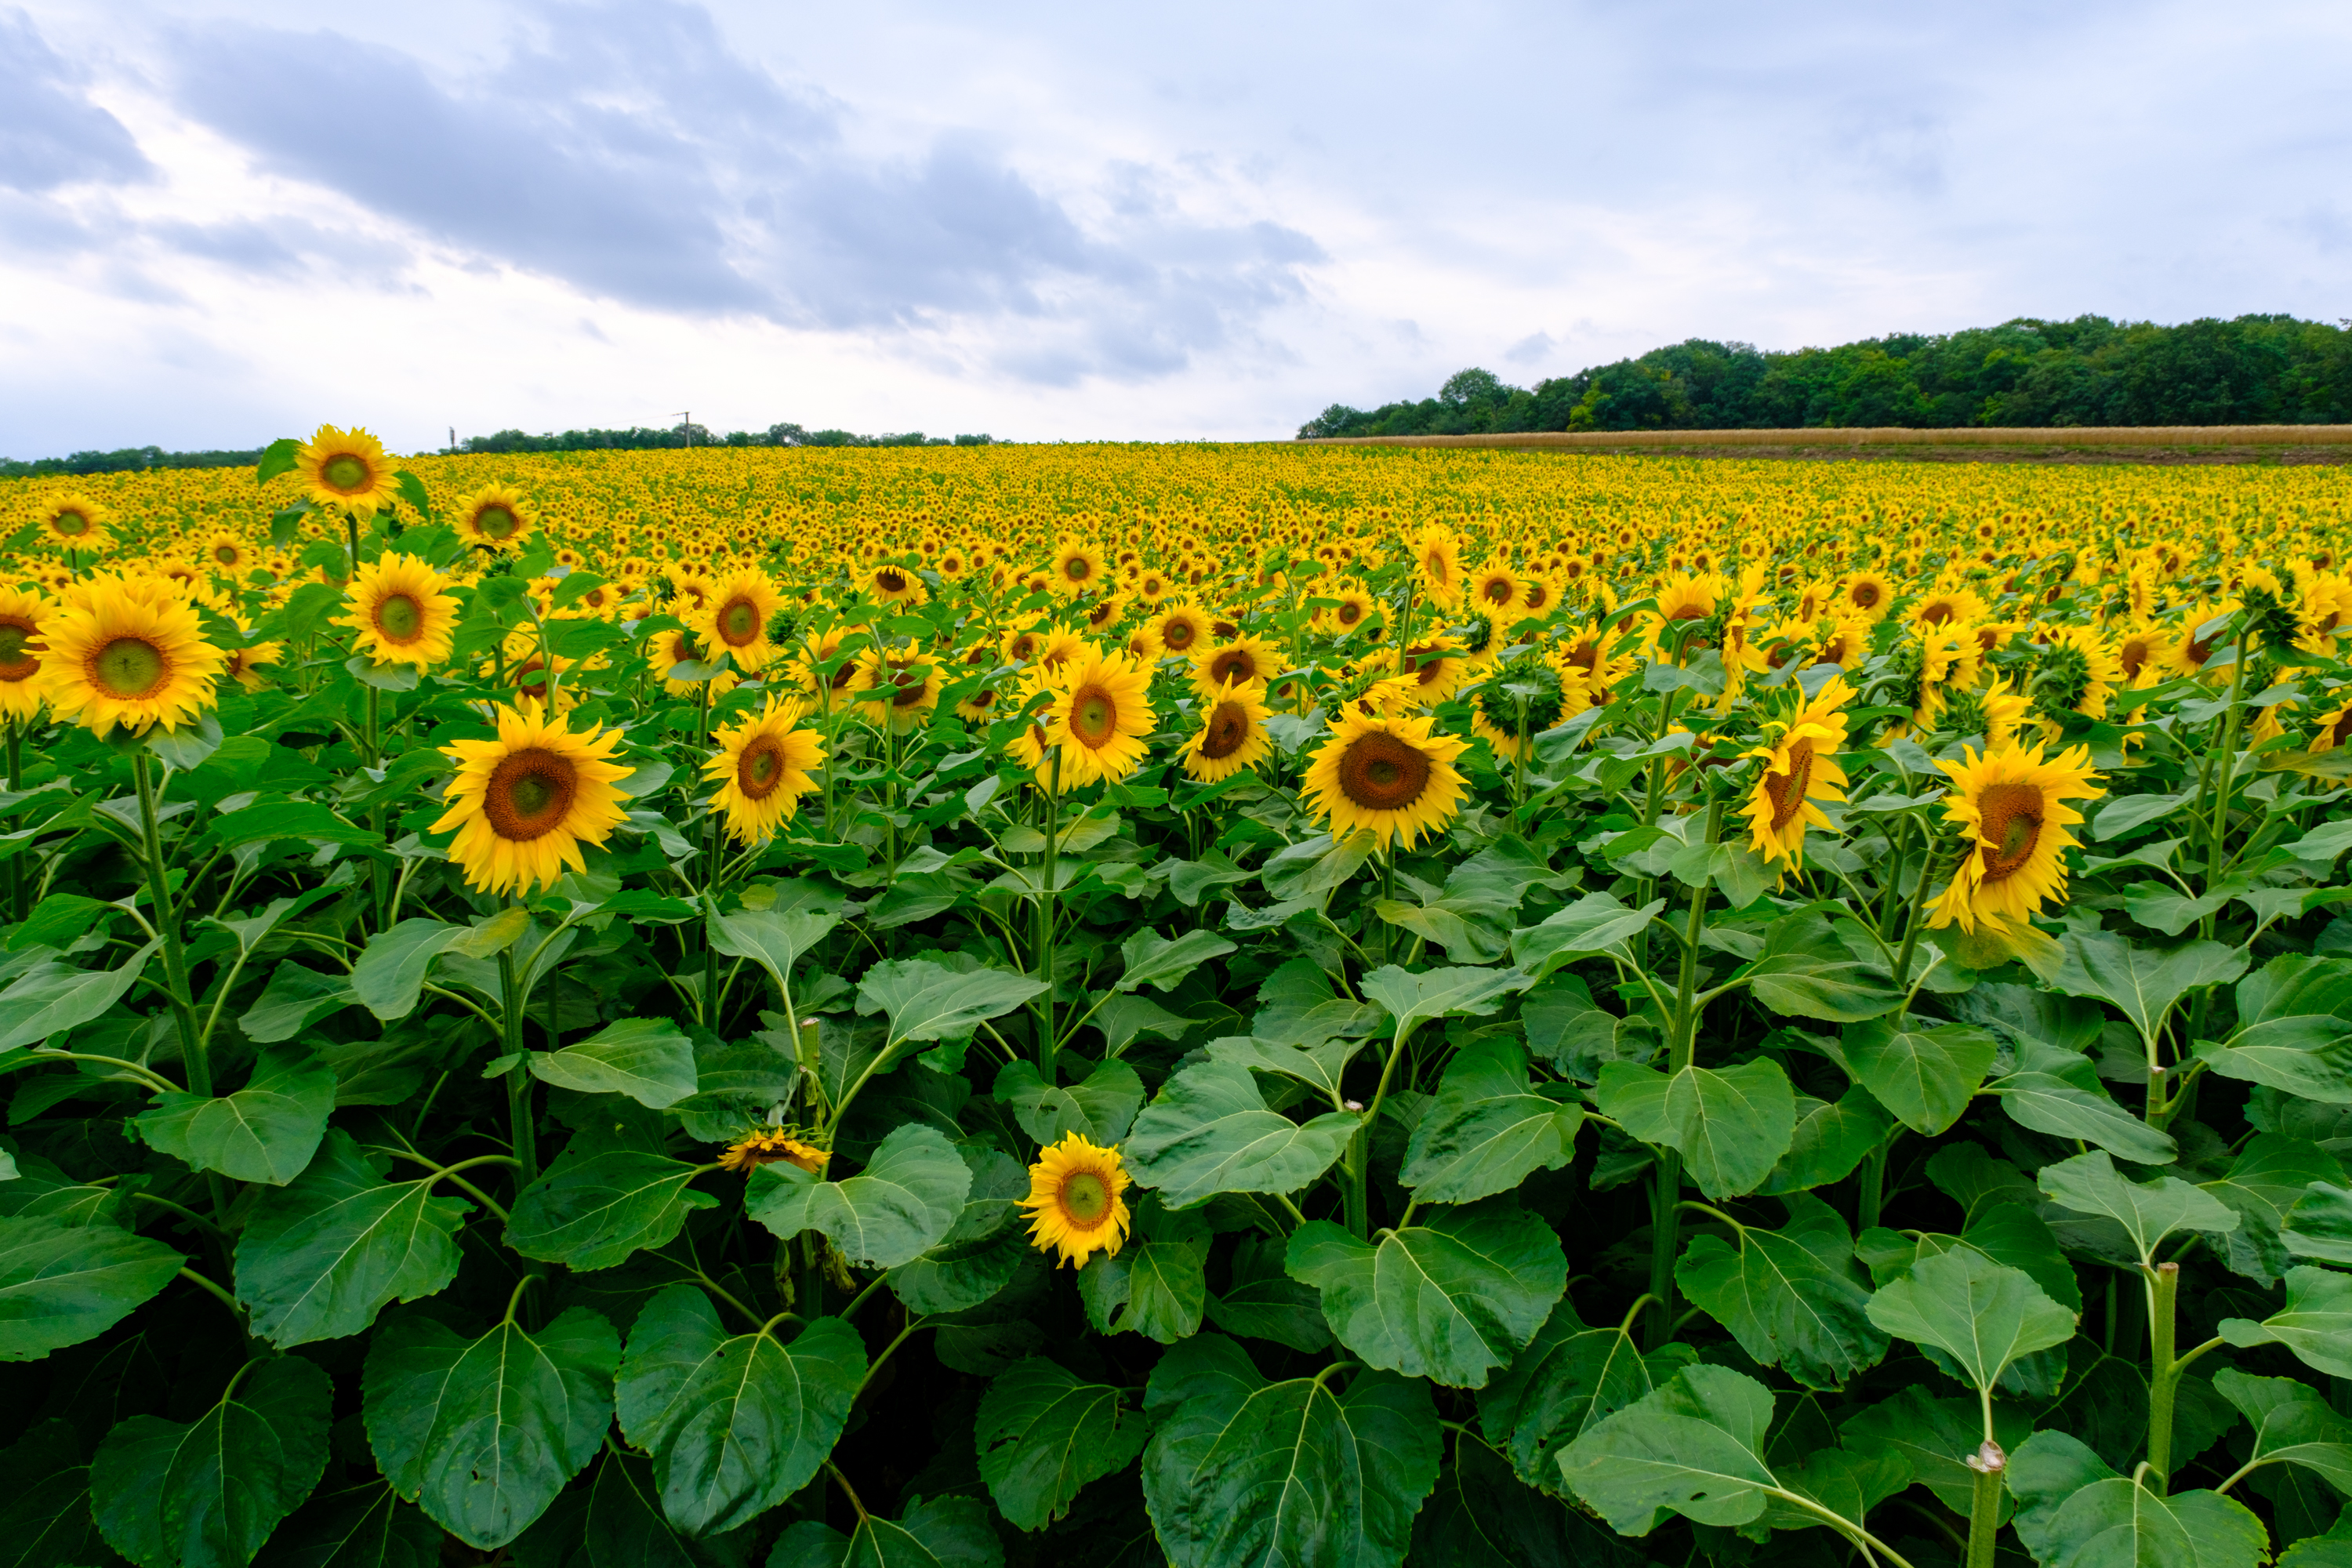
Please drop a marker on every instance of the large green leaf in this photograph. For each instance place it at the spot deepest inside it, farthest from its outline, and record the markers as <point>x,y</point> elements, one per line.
<point>295,999</point>
<point>1802,985</point>
<point>1043,1434</point>
<point>774,939</point>
<point>46,1520</point>
<point>1209,1130</point>
<point>2315,1323</point>
<point>908,1197</point>
<point>1158,1289</point>
<point>1587,928</point>
<point>1695,1446</point>
<point>1099,1109</point>
<point>1983,1315</point>
<point>484,1433</point>
<point>596,1206</point>
<point>1481,1516</point>
<point>1936,1438</point>
<point>1300,1472</point>
<point>206,1494</point>
<point>2319,1221</point>
<point>2148,1211</point>
<point>1789,1296</point>
<point>266,1131</point>
<point>320,1256</point>
<point>982,1251</point>
<point>1832,1137</point>
<point>735,1425</point>
<point>365,1526</point>
<point>624,1526</point>
<point>1414,997</point>
<point>2072,1511</point>
<point>2057,1091</point>
<point>928,1000</point>
<point>938,1532</point>
<point>650,1059</point>
<point>390,974</point>
<point>1154,961</point>
<point>1924,1073</point>
<point>61,1283</point>
<point>1489,1129</point>
<point>2310,1055</point>
<point>2274,1186</point>
<point>2143,982</point>
<point>54,996</point>
<point>2292,1424</point>
<point>1449,1299</point>
<point>1731,1124</point>
<point>1567,1380</point>
<point>1261,1302</point>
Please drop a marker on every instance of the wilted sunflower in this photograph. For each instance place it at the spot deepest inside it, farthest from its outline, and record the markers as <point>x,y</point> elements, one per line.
<point>1390,775</point>
<point>496,518</point>
<point>347,468</point>
<point>76,522</point>
<point>20,658</point>
<point>128,654</point>
<point>523,803</point>
<point>1800,767</point>
<point>1099,717</point>
<point>2010,808</point>
<point>891,584</point>
<point>1076,1203</point>
<point>762,769</point>
<point>733,619</point>
<point>770,1146</point>
<point>400,613</point>
<point>1239,662</point>
<point>1233,733</point>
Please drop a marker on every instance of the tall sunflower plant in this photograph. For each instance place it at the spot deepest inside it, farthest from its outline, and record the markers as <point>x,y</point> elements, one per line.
<point>1210,1006</point>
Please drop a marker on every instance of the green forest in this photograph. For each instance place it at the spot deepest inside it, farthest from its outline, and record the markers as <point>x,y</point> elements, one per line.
<point>2253,370</point>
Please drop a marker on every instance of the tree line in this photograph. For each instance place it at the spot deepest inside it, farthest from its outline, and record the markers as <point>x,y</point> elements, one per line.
<point>2253,370</point>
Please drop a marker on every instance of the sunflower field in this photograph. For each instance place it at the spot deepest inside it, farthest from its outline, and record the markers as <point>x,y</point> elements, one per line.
<point>1199,1005</point>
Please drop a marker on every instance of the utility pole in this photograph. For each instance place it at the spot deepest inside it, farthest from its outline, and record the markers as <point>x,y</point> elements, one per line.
<point>453,440</point>
<point>686,423</point>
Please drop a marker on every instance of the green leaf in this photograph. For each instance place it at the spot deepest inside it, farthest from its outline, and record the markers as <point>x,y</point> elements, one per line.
<point>54,996</point>
<point>1567,1380</point>
<point>61,1283</point>
<point>623,1525</point>
<point>1100,1109</point>
<point>2310,1057</point>
<point>266,1131</point>
<point>1789,1296</point>
<point>1802,985</point>
<point>1208,1131</point>
<point>1153,960</point>
<point>484,1433</point>
<point>982,1251</point>
<point>1983,1315</point>
<point>2315,1323</point>
<point>2148,1211</point>
<point>907,1198</point>
<point>1832,1138</point>
<point>2072,1511</point>
<point>1488,1130</point>
<point>1936,1438</point>
<point>2143,982</point>
<point>1414,998</point>
<point>365,1526</point>
<point>319,1258</point>
<point>597,1206</point>
<point>1043,1435</point>
<point>940,1532</point>
<point>295,999</point>
<point>1924,1073</point>
<point>1588,927</point>
<point>1450,1299</point>
<point>2320,1223</point>
<point>210,1492</point>
<point>2057,1091</point>
<point>1261,1302</point>
<point>774,939</point>
<point>1158,1288</point>
<point>390,974</point>
<point>649,1060</point>
<point>1731,1124</point>
<point>2267,1186</point>
<point>278,458</point>
<point>1695,1446</point>
<point>2292,1424</point>
<point>928,1000</point>
<point>735,1425</point>
<point>46,1522</point>
<point>1481,1516</point>
<point>1298,1472</point>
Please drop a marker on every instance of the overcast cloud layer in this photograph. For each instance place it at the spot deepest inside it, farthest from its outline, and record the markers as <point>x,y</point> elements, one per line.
<point>222,222</point>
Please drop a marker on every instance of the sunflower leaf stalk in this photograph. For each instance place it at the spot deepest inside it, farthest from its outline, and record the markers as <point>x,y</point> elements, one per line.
<point>520,1130</point>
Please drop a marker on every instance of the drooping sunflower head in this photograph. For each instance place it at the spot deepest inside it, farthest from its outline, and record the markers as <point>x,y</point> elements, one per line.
<point>1799,768</point>
<point>75,522</point>
<point>1099,717</point>
<point>1076,1202</point>
<point>892,584</point>
<point>1239,662</point>
<point>121,656</point>
<point>2009,805</point>
<point>347,470</point>
<point>497,517</point>
<point>400,613</point>
<point>523,803</point>
<point>772,1145</point>
<point>763,768</point>
<point>1233,733</point>
<point>1390,776</point>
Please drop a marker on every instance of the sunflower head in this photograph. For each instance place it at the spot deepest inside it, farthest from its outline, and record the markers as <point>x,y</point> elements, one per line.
<point>772,1145</point>
<point>400,613</point>
<point>2009,805</point>
<point>20,660</point>
<point>1233,733</point>
<point>496,518</point>
<point>1389,776</point>
<point>347,470</point>
<point>126,653</point>
<point>762,769</point>
<point>75,522</point>
<point>522,804</point>
<point>1077,1202</point>
<point>1099,717</point>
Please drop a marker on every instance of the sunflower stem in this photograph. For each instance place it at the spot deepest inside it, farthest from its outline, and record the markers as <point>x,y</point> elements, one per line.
<point>1991,1465</point>
<point>2217,854</point>
<point>167,928</point>
<point>2164,1369</point>
<point>18,905</point>
<point>1928,859</point>
<point>524,1137</point>
<point>1047,1050</point>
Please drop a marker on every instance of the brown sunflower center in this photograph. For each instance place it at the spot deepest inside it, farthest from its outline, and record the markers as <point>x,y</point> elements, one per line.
<point>2338,732</point>
<point>1865,595</point>
<point>910,686</point>
<point>739,623</point>
<point>2133,654</point>
<point>2010,815</point>
<point>1234,664</point>
<point>1936,613</point>
<point>529,793</point>
<point>1537,596</point>
<point>1179,635</point>
<point>128,667</point>
<point>1084,1199</point>
<point>1381,773</point>
<point>1228,729</point>
<point>496,522</point>
<point>400,617</point>
<point>1077,568</point>
<point>760,768</point>
<point>1350,612</point>
<point>889,581</point>
<point>1497,591</point>
<point>345,471</point>
<point>1787,790</point>
<point>1094,717</point>
<point>16,664</point>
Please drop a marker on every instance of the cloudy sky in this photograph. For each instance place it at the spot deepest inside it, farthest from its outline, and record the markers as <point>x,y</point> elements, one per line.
<point>226,220</point>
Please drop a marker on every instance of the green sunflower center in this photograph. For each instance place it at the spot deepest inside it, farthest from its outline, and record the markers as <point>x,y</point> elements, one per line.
<point>128,667</point>
<point>345,472</point>
<point>400,617</point>
<point>1085,1199</point>
<point>496,522</point>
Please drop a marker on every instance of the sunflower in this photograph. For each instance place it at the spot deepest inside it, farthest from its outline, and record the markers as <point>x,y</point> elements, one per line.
<point>1498,719</point>
<point>1240,662</point>
<point>1075,1203</point>
<point>762,769</point>
<point>128,654</point>
<point>899,687</point>
<point>2076,674</point>
<point>1800,767</point>
<point>2141,650</point>
<point>1099,717</point>
<point>1949,606</point>
<point>734,619</point>
<point>522,804</point>
<point>1389,776</point>
<point>1437,562</point>
<point>1495,592</point>
<point>225,552</point>
<point>1233,733</point>
<point>496,518</point>
<point>347,470</point>
<point>977,706</point>
<point>1354,605</point>
<point>891,584</point>
<point>668,649</point>
<point>2009,805</point>
<point>1023,640</point>
<point>1078,569</point>
<point>1105,612</point>
<point>243,664</point>
<point>1866,595</point>
<point>76,522</point>
<point>400,613</point>
<point>1182,629</point>
<point>20,660</point>
<point>1539,593</point>
<point>1685,598</point>
<point>1437,667</point>
<point>1059,646</point>
<point>772,1145</point>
